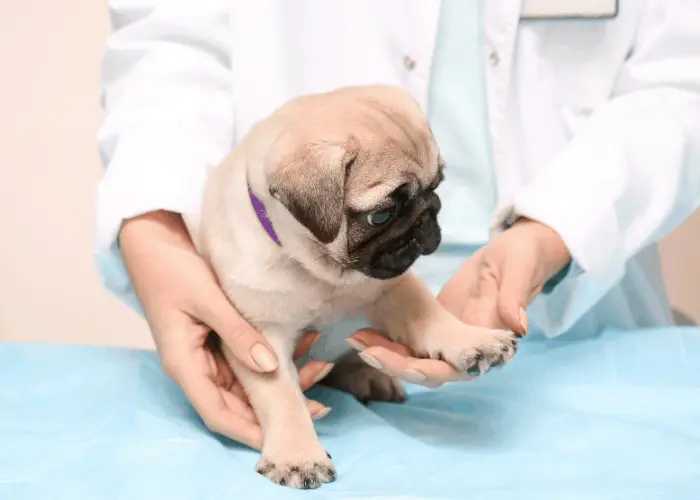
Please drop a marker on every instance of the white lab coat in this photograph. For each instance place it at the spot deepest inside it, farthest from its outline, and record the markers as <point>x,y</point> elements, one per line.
<point>595,124</point>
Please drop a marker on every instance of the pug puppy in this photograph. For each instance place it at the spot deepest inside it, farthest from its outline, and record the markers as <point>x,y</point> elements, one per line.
<point>319,213</point>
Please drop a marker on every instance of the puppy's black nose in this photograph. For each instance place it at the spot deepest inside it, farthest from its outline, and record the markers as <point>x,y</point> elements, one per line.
<point>428,233</point>
<point>434,201</point>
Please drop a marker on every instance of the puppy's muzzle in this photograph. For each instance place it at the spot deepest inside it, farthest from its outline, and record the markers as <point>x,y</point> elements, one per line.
<point>421,238</point>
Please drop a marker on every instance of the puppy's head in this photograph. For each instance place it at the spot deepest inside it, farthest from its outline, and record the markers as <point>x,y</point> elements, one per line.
<point>358,168</point>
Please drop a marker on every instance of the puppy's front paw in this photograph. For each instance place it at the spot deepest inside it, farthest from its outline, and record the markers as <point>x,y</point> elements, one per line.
<point>297,470</point>
<point>364,382</point>
<point>472,350</point>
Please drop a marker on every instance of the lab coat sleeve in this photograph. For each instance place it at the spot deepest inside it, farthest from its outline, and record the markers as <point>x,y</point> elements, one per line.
<point>632,173</point>
<point>166,87</point>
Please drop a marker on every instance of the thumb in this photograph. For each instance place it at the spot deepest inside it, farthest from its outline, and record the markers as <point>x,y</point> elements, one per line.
<point>245,342</point>
<point>513,297</point>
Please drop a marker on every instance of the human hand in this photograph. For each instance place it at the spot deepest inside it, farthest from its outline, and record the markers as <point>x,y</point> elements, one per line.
<point>183,304</point>
<point>491,289</point>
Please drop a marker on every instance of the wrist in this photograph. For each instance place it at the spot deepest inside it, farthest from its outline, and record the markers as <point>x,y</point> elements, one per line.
<point>160,224</point>
<point>555,255</point>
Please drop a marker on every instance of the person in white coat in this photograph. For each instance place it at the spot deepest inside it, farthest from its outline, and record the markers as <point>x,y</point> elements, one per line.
<point>570,129</point>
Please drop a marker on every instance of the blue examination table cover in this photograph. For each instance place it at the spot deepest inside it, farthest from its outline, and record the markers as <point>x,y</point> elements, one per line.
<point>611,417</point>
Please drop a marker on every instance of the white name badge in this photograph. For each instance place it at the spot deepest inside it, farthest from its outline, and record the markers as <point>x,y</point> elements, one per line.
<point>569,9</point>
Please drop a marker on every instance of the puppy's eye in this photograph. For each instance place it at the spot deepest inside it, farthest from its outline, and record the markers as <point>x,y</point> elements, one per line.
<point>380,217</point>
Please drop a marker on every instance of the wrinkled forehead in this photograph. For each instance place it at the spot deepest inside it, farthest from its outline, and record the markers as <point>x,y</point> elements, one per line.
<point>382,137</point>
<point>375,175</point>
<point>395,147</point>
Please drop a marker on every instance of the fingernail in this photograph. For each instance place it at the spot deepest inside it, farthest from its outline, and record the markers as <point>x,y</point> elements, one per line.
<point>322,374</point>
<point>413,376</point>
<point>322,413</point>
<point>263,358</point>
<point>356,344</point>
<point>523,320</point>
<point>370,360</point>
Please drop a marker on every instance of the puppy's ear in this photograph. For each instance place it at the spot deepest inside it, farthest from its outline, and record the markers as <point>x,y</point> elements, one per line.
<point>312,187</point>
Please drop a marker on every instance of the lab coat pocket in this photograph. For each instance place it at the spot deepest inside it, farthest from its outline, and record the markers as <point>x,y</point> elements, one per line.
<point>585,57</point>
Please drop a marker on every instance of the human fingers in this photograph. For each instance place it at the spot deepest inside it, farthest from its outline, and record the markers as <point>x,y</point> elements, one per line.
<point>317,410</point>
<point>222,373</point>
<point>368,337</point>
<point>239,404</point>
<point>235,397</point>
<point>246,343</point>
<point>517,285</point>
<point>313,372</point>
<point>305,343</point>
<point>427,372</point>
<point>309,375</point>
<point>217,410</point>
<point>435,372</point>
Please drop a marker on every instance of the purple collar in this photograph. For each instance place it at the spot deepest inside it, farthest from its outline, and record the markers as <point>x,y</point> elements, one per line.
<point>262,216</point>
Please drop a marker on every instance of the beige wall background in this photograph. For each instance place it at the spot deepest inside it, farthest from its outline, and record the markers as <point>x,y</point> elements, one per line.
<point>50,55</point>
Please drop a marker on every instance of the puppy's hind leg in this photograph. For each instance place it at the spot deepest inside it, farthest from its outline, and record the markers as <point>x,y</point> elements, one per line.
<point>292,454</point>
<point>365,382</point>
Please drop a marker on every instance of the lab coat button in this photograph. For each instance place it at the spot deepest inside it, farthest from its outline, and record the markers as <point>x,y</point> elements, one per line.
<point>494,58</point>
<point>409,63</point>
